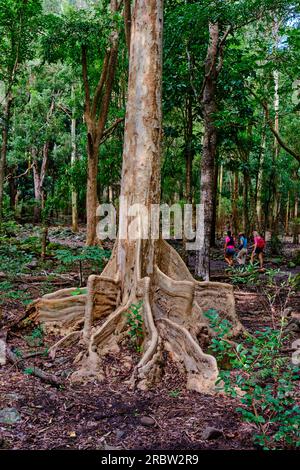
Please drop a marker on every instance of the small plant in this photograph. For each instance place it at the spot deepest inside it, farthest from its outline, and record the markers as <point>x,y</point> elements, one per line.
<point>244,274</point>
<point>18,353</point>
<point>79,291</point>
<point>174,393</point>
<point>295,281</point>
<point>135,323</point>
<point>8,294</point>
<point>93,255</point>
<point>266,383</point>
<point>271,275</point>
<point>13,258</point>
<point>36,338</point>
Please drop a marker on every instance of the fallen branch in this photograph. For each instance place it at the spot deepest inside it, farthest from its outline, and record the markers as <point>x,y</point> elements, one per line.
<point>36,371</point>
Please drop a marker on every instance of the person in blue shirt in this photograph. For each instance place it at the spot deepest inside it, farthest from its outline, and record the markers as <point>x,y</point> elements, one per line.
<point>242,254</point>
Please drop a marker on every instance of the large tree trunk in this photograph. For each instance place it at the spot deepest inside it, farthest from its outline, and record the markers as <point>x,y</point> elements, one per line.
<point>143,270</point>
<point>5,131</point>
<point>209,150</point>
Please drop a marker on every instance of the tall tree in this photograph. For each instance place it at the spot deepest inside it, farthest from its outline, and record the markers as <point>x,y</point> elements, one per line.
<point>213,65</point>
<point>95,115</point>
<point>144,269</point>
<point>91,29</point>
<point>18,29</point>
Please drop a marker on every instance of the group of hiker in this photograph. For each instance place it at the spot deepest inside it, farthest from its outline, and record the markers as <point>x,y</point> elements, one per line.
<point>239,251</point>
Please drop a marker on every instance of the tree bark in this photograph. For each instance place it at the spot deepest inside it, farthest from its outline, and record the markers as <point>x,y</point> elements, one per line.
<point>13,188</point>
<point>235,196</point>
<point>215,206</point>
<point>276,202</point>
<point>188,148</point>
<point>246,219</point>
<point>38,179</point>
<point>127,22</point>
<point>287,214</point>
<point>220,195</point>
<point>5,133</point>
<point>73,161</point>
<point>209,150</point>
<point>259,186</point>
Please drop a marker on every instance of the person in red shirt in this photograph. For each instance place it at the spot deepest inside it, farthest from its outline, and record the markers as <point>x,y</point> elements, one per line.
<point>258,249</point>
<point>229,248</point>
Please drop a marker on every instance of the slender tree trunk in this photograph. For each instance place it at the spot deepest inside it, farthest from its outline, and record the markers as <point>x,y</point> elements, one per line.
<point>110,194</point>
<point>215,206</point>
<point>38,179</point>
<point>5,132</point>
<point>246,222</point>
<point>209,150</point>
<point>73,160</point>
<point>276,202</point>
<point>235,196</point>
<point>220,194</point>
<point>188,150</point>
<point>296,224</point>
<point>96,120</point>
<point>127,22</point>
<point>13,189</point>
<point>259,211</point>
<point>287,214</point>
<point>37,186</point>
<point>91,194</point>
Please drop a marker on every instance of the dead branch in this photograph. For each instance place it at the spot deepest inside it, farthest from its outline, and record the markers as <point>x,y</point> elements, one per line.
<point>36,371</point>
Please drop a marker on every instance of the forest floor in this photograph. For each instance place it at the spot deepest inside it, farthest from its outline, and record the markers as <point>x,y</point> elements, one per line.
<point>107,415</point>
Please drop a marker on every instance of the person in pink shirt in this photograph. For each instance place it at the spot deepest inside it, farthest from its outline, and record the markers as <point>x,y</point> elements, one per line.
<point>258,249</point>
<point>229,248</point>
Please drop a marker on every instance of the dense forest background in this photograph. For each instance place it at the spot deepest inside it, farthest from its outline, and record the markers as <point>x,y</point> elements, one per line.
<point>44,158</point>
<point>121,345</point>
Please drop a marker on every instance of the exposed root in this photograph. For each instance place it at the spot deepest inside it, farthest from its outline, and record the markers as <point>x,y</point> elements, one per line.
<point>201,368</point>
<point>173,312</point>
<point>65,341</point>
<point>63,309</point>
<point>103,299</point>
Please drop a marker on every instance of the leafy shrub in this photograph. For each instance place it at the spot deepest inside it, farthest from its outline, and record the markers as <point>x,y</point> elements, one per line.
<point>135,323</point>
<point>7,293</point>
<point>92,255</point>
<point>265,381</point>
